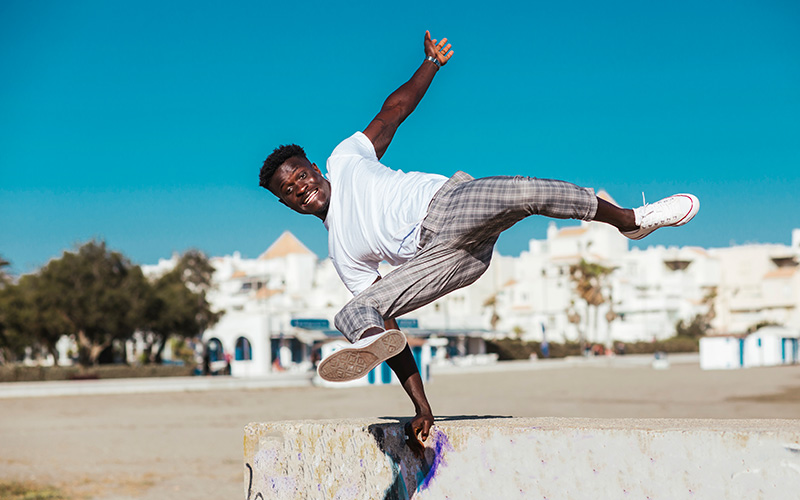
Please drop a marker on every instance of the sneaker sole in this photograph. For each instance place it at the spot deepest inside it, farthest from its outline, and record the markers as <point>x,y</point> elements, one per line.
<point>351,363</point>
<point>686,218</point>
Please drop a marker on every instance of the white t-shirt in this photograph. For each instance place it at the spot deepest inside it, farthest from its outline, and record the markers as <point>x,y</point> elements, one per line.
<point>374,213</point>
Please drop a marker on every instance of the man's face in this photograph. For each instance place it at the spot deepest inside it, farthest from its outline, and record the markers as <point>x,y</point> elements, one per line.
<point>300,186</point>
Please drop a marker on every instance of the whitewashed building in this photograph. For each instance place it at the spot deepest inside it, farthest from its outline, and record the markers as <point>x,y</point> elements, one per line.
<point>279,307</point>
<point>767,346</point>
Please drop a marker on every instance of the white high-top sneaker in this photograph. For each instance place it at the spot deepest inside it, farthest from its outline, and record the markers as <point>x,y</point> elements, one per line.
<point>675,210</point>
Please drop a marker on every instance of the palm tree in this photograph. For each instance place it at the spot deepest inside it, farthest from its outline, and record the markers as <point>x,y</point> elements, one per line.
<point>492,302</point>
<point>590,281</point>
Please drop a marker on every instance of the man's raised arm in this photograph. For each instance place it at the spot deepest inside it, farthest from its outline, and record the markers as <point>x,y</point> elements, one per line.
<point>404,100</point>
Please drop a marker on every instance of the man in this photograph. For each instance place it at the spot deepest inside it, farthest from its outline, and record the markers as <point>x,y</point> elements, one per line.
<point>441,232</point>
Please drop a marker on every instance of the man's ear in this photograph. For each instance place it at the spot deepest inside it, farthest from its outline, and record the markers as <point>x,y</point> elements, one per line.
<point>282,202</point>
<point>316,168</point>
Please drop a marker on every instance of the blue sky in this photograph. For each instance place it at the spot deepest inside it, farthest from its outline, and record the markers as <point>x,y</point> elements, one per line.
<point>145,123</point>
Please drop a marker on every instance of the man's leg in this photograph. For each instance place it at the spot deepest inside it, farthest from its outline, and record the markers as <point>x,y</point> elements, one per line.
<point>621,218</point>
<point>465,223</point>
<point>457,242</point>
<point>483,208</point>
<point>491,205</point>
<point>435,271</point>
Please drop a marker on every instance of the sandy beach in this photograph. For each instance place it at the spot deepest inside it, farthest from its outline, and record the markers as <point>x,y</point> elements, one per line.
<point>189,444</point>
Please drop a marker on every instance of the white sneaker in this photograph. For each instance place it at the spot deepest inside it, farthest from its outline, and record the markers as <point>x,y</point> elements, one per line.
<point>351,363</point>
<point>675,210</point>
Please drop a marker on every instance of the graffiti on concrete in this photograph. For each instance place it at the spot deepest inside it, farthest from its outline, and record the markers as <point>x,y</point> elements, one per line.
<point>250,496</point>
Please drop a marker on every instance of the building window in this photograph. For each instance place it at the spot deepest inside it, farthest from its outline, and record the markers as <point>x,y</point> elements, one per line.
<point>214,350</point>
<point>243,350</point>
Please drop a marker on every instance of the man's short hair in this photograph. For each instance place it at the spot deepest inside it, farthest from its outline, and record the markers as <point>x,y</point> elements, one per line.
<point>276,159</point>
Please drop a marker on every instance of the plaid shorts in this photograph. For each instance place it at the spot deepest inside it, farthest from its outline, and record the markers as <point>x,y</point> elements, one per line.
<point>457,239</point>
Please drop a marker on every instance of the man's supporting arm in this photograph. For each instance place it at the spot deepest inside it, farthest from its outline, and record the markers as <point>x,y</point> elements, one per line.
<point>404,366</point>
<point>404,100</point>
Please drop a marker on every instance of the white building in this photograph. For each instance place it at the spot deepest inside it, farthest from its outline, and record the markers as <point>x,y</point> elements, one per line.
<point>767,346</point>
<point>279,307</point>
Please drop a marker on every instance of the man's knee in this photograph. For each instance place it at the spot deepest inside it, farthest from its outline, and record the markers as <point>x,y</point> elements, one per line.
<point>477,269</point>
<point>340,320</point>
<point>357,315</point>
<point>479,261</point>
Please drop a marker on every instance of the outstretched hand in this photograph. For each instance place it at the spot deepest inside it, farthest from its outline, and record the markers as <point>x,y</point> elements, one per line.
<point>417,431</point>
<point>439,49</point>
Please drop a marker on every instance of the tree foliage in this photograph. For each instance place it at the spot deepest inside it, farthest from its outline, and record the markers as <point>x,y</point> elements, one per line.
<point>98,292</point>
<point>589,279</point>
<point>700,324</point>
<point>98,296</point>
<point>32,319</point>
<point>11,345</point>
<point>177,304</point>
<point>693,329</point>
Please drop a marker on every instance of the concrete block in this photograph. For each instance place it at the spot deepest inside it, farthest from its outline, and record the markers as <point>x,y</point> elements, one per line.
<point>499,458</point>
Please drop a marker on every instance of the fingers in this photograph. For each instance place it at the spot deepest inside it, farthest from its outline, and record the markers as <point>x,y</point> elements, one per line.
<point>413,441</point>
<point>441,48</point>
<point>425,431</point>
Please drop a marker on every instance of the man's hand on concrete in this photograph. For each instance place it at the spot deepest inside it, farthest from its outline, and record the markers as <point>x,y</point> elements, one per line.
<point>417,431</point>
<point>440,50</point>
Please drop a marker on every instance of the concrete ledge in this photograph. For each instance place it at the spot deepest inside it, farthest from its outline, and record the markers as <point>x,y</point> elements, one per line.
<point>519,458</point>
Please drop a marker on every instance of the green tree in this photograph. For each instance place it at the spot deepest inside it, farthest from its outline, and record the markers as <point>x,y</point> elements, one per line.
<point>23,322</point>
<point>700,325</point>
<point>693,329</point>
<point>99,293</point>
<point>4,277</point>
<point>11,344</point>
<point>177,305</point>
<point>33,319</point>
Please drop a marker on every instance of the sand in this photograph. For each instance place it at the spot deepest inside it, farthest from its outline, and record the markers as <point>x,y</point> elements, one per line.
<point>189,445</point>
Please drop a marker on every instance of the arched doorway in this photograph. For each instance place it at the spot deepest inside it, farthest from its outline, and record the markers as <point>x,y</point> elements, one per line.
<point>244,352</point>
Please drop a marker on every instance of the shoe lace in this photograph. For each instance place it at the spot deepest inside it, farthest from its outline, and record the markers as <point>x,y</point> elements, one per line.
<point>658,213</point>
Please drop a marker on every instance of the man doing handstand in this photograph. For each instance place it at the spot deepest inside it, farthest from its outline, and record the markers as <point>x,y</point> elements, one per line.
<point>440,232</point>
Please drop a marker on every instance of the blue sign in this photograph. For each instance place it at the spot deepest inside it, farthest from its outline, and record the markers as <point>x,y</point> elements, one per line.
<point>407,323</point>
<point>311,324</point>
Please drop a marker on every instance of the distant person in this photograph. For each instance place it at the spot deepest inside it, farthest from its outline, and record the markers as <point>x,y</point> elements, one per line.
<point>440,231</point>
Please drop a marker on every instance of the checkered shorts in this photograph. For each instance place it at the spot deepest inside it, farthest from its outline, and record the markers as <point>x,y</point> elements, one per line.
<point>457,238</point>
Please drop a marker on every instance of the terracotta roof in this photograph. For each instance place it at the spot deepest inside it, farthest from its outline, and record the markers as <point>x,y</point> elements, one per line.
<point>572,231</point>
<point>266,293</point>
<point>238,274</point>
<point>286,244</point>
<point>781,272</point>
<point>603,195</point>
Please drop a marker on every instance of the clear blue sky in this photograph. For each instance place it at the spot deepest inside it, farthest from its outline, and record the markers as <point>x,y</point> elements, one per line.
<point>145,123</point>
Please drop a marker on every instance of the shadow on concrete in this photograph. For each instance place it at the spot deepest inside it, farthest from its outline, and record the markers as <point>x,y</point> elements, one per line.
<point>412,472</point>
<point>448,418</point>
